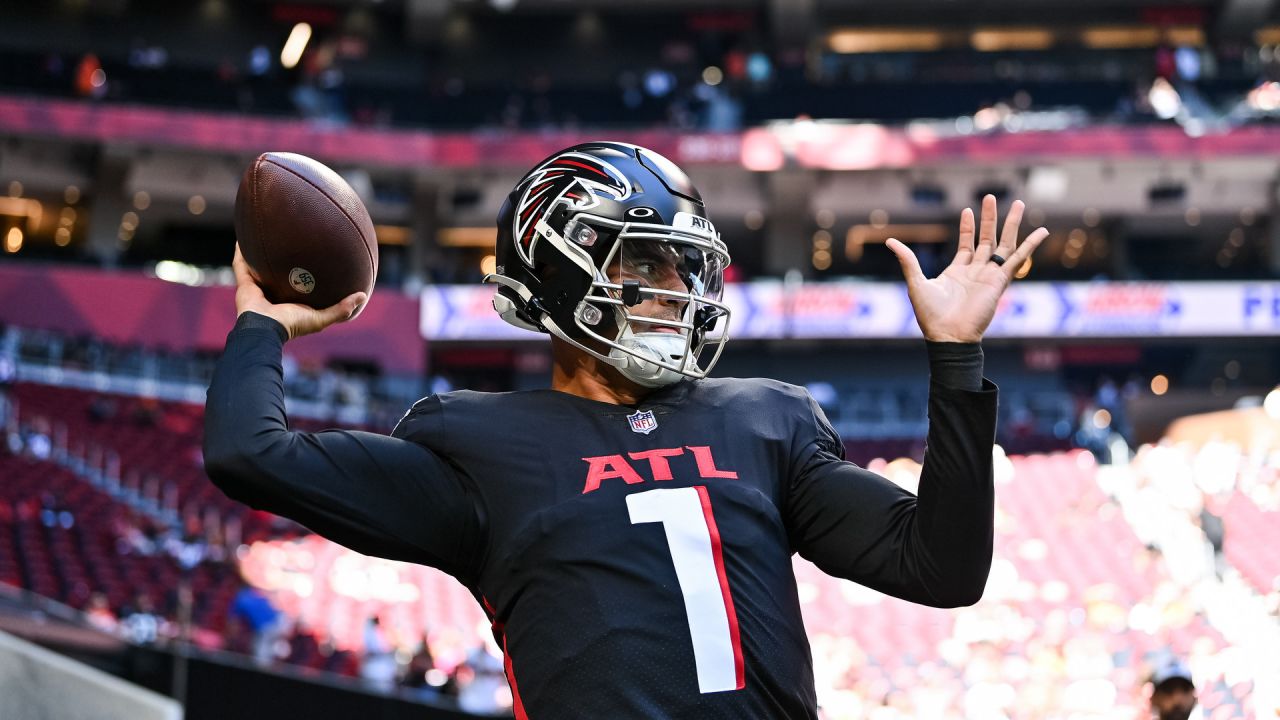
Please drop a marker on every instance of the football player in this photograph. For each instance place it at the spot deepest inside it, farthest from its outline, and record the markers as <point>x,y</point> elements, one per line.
<point>629,530</point>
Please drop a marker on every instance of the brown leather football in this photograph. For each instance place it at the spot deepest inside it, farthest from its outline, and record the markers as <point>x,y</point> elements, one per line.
<point>304,231</point>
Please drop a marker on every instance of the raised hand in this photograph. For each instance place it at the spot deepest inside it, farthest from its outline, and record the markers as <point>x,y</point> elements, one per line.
<point>957,306</point>
<point>298,319</point>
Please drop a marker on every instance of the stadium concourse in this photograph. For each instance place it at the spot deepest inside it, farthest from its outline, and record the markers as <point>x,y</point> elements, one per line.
<point>1092,579</point>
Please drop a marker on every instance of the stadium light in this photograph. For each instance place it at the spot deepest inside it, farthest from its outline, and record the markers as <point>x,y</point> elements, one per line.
<point>1006,39</point>
<point>1269,35</point>
<point>1164,99</point>
<point>467,237</point>
<point>293,47</point>
<point>1184,35</point>
<point>20,207</point>
<point>1024,270</point>
<point>1123,36</point>
<point>875,40</point>
<point>392,234</point>
<point>1271,403</point>
<point>1159,385</point>
<point>179,272</point>
<point>860,235</point>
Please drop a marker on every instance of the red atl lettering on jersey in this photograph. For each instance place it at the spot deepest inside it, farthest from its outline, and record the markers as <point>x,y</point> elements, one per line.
<point>658,464</point>
<point>707,464</point>
<point>607,467</point>
<point>610,467</point>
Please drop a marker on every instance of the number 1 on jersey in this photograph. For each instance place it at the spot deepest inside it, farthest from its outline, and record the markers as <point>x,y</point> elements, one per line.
<point>694,540</point>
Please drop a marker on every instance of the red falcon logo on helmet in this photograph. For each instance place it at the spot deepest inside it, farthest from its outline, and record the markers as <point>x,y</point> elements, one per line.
<point>576,177</point>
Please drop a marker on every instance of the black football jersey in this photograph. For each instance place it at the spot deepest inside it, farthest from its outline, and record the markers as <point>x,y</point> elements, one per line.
<point>635,561</point>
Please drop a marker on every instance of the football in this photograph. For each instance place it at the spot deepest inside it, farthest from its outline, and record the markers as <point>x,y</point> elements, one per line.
<point>304,231</point>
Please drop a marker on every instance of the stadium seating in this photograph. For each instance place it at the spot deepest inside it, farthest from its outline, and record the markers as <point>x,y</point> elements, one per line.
<point>157,445</point>
<point>59,537</point>
<point>1063,555</point>
<point>1252,537</point>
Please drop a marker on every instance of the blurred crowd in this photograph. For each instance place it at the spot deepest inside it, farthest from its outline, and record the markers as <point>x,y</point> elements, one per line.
<point>446,666</point>
<point>316,392</point>
<point>707,71</point>
<point>1030,650</point>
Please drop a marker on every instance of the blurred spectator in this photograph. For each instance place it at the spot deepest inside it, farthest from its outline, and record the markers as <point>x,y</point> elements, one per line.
<point>378,667</point>
<point>141,624</point>
<point>415,675</point>
<point>99,614</point>
<point>1215,533</point>
<point>1173,693</point>
<point>1094,432</point>
<point>102,409</point>
<point>8,376</point>
<point>188,548</point>
<point>304,646</point>
<point>146,413</point>
<point>36,440</point>
<point>481,693</point>
<point>136,536</point>
<point>91,80</point>
<point>52,515</point>
<point>8,372</point>
<point>256,611</point>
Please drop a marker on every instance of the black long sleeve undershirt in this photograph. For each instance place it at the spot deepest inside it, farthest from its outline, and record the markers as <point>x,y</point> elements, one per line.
<point>934,548</point>
<point>376,494</point>
<point>393,498</point>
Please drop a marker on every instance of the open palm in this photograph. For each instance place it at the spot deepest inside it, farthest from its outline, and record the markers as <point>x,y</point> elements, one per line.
<point>957,306</point>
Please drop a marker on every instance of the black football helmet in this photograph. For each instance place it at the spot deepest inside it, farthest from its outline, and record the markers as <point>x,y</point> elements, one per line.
<point>598,229</point>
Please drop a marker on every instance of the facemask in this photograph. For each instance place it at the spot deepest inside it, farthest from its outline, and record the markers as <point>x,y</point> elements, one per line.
<point>654,345</point>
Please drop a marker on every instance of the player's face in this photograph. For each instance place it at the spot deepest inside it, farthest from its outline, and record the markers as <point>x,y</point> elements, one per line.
<point>657,265</point>
<point>1173,704</point>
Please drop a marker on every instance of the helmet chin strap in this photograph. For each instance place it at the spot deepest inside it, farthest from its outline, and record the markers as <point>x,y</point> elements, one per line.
<point>662,346</point>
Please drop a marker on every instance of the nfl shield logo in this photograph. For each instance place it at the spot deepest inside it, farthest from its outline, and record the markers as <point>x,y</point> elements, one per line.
<point>643,422</point>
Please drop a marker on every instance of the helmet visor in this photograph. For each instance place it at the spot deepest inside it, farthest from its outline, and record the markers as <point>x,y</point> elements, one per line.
<point>667,285</point>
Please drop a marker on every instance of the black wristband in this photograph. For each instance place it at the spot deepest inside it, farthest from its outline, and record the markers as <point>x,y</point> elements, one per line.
<point>956,365</point>
<point>250,320</point>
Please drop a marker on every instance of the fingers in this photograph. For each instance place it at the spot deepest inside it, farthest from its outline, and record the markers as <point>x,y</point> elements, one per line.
<point>907,259</point>
<point>964,251</point>
<point>241,267</point>
<point>305,320</point>
<point>986,230</point>
<point>1009,237</point>
<point>343,309</point>
<point>349,306</point>
<point>1028,246</point>
<point>357,301</point>
<point>249,295</point>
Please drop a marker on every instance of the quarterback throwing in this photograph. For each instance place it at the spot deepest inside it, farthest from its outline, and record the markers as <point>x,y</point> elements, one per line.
<point>629,530</point>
